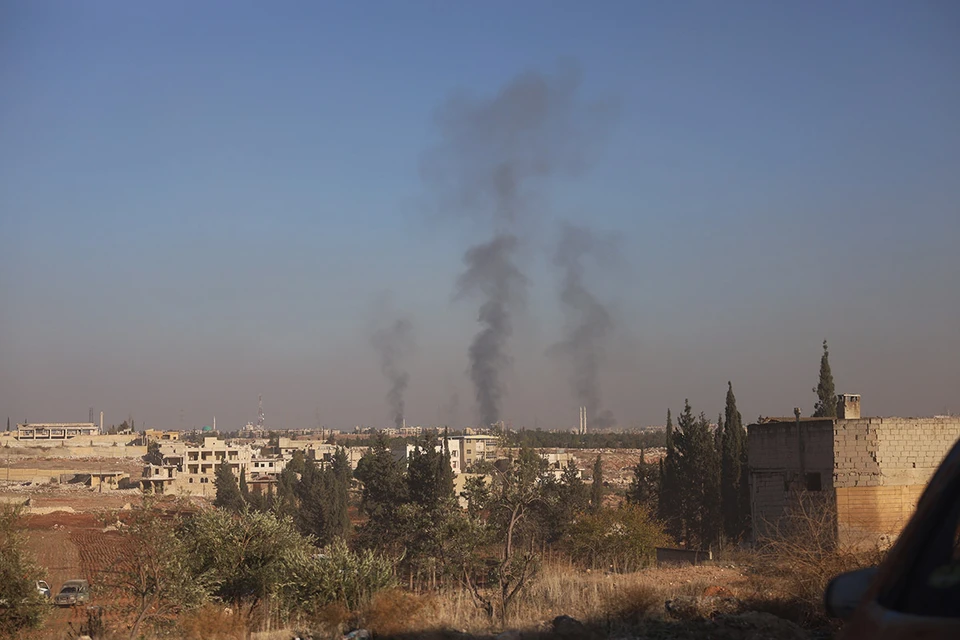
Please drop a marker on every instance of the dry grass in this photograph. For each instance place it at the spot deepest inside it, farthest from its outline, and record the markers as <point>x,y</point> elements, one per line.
<point>213,622</point>
<point>799,556</point>
<point>395,611</point>
<point>614,600</point>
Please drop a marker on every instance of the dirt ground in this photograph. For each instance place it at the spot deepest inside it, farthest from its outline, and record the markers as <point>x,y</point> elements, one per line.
<point>71,546</point>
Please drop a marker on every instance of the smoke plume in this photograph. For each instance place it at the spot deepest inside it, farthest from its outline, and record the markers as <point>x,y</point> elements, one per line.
<point>588,323</point>
<point>393,344</point>
<point>492,274</point>
<point>493,160</point>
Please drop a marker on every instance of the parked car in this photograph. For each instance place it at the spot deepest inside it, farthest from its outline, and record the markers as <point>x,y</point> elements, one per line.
<point>73,592</point>
<point>915,592</point>
<point>43,589</point>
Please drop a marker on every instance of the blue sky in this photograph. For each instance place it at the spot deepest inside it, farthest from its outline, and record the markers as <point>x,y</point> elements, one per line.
<point>201,202</point>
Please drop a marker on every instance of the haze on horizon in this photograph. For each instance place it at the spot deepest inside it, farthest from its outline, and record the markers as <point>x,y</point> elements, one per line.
<point>200,203</point>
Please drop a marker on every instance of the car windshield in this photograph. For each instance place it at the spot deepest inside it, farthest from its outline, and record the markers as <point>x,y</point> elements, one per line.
<point>68,590</point>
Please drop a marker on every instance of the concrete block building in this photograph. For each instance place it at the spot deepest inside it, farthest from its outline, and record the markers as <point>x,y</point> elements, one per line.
<point>869,472</point>
<point>192,468</point>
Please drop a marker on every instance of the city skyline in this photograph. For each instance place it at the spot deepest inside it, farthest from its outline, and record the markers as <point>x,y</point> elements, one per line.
<point>200,204</point>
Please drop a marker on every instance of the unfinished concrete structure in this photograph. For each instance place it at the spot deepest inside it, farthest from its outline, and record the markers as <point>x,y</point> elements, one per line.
<point>56,430</point>
<point>192,469</point>
<point>867,472</point>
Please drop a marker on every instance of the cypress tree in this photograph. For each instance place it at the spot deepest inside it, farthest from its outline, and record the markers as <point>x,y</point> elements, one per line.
<point>336,499</point>
<point>244,490</point>
<point>826,406</point>
<point>668,503</point>
<point>732,471</point>
<point>644,487</point>
<point>596,489</point>
<point>228,493</point>
<point>312,497</point>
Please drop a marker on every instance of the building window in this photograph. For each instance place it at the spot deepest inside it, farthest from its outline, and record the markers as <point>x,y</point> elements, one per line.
<point>813,482</point>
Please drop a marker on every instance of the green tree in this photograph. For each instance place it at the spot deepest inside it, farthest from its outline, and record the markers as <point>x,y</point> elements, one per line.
<point>244,489</point>
<point>509,526</point>
<point>734,472</point>
<point>621,540</point>
<point>250,559</point>
<point>285,503</point>
<point>596,488</point>
<point>154,572</point>
<point>826,406</point>
<point>337,479</point>
<point>153,454</point>
<point>429,477</point>
<point>699,479</point>
<point>22,607</point>
<point>384,490</point>
<point>644,487</point>
<point>312,495</point>
<point>670,497</point>
<point>228,493</point>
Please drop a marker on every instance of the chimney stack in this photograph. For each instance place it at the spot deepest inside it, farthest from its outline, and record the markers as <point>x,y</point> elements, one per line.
<point>848,406</point>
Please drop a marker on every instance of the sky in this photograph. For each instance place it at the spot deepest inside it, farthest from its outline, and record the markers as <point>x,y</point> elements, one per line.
<point>205,202</point>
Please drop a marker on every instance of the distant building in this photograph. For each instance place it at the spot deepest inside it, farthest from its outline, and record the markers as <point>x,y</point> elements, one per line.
<point>192,468</point>
<point>56,430</point>
<point>868,473</point>
<point>155,435</point>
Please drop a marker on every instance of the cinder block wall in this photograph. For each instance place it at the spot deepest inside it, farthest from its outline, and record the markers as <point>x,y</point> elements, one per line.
<point>784,460</point>
<point>882,466</point>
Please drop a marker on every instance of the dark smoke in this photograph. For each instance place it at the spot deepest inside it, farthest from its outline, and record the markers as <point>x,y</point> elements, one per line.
<point>491,274</point>
<point>494,157</point>
<point>393,344</point>
<point>588,322</point>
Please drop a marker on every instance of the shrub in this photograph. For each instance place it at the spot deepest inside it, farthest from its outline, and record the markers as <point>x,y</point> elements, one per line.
<point>801,548</point>
<point>634,603</point>
<point>622,539</point>
<point>350,578</point>
<point>21,607</point>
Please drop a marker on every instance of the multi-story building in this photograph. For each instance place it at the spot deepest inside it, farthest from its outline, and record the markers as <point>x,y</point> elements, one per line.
<point>266,466</point>
<point>476,448</point>
<point>195,467</point>
<point>404,451</point>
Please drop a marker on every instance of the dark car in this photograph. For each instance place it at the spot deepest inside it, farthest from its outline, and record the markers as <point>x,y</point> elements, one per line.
<point>915,592</point>
<point>73,592</point>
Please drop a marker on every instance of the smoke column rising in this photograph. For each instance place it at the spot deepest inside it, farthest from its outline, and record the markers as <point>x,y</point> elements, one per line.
<point>494,157</point>
<point>491,273</point>
<point>588,322</point>
<point>393,344</point>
